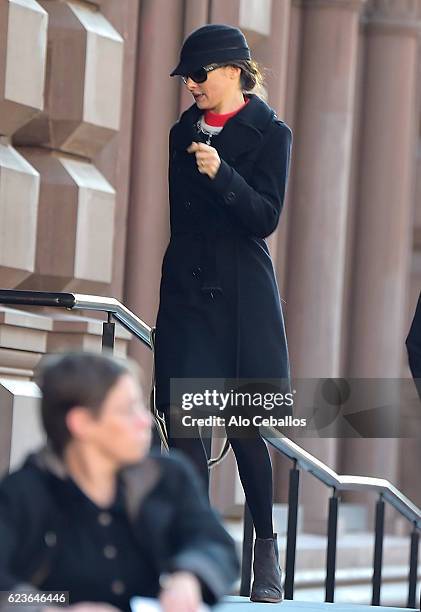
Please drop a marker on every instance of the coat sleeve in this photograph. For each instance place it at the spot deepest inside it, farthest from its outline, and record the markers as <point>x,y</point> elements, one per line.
<point>9,538</point>
<point>413,345</point>
<point>202,546</point>
<point>257,204</point>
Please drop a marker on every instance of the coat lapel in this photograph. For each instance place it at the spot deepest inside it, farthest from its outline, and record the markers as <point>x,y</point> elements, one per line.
<point>242,134</point>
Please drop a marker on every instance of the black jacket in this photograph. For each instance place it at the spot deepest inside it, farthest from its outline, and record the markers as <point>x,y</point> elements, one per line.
<point>169,515</point>
<point>220,314</point>
<point>413,344</point>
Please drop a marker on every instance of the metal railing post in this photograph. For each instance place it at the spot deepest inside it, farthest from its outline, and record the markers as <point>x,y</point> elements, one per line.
<point>413,564</point>
<point>247,553</point>
<point>332,532</point>
<point>294,481</point>
<point>108,334</point>
<point>378,551</point>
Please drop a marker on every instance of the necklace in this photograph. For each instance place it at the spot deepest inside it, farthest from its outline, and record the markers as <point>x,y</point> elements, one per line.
<point>206,133</point>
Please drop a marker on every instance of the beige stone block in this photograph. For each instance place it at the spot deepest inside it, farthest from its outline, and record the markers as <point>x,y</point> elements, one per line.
<point>84,67</point>
<point>65,323</point>
<point>26,340</point>
<point>19,193</point>
<point>75,225</point>
<point>24,319</point>
<point>25,337</point>
<point>20,427</point>
<point>84,342</point>
<point>23,51</point>
<point>23,341</point>
<point>18,364</point>
<point>71,332</point>
<point>23,331</point>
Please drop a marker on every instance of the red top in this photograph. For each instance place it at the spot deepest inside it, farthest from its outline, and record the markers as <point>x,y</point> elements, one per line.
<point>219,119</point>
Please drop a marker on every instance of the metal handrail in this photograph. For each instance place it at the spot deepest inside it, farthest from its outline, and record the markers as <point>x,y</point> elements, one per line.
<point>77,301</point>
<point>329,477</point>
<point>116,310</point>
<point>300,457</point>
<point>122,314</point>
<point>386,491</point>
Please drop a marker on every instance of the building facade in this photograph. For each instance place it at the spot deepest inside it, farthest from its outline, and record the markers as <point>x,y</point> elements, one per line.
<point>86,104</point>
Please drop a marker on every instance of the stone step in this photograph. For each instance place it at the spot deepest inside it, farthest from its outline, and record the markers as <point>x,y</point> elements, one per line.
<point>353,585</point>
<point>242,604</point>
<point>354,571</point>
<point>352,575</point>
<point>351,517</point>
<point>392,594</point>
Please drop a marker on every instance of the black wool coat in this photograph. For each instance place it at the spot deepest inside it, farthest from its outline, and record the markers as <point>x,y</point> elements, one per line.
<point>220,313</point>
<point>171,525</point>
<point>413,344</point>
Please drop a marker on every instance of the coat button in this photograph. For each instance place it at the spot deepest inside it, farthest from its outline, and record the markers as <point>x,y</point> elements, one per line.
<point>196,272</point>
<point>187,204</point>
<point>230,197</point>
<point>110,552</point>
<point>118,587</point>
<point>50,539</point>
<point>104,519</point>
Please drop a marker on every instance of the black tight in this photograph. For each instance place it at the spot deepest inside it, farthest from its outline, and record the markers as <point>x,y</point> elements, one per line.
<point>254,468</point>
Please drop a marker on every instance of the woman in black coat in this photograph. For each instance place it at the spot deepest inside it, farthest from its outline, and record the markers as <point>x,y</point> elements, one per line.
<point>94,515</point>
<point>220,314</point>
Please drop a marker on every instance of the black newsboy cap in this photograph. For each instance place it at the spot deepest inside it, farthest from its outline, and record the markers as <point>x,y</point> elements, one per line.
<point>211,44</point>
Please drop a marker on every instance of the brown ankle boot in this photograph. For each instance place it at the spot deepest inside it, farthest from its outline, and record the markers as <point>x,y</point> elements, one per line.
<point>267,573</point>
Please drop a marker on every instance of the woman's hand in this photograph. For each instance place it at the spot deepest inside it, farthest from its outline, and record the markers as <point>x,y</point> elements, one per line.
<point>207,158</point>
<point>181,592</point>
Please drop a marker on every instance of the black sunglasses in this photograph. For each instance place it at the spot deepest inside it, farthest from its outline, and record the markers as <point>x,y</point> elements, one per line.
<point>200,75</point>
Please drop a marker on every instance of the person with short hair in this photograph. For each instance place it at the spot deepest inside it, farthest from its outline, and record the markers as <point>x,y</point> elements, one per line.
<point>94,514</point>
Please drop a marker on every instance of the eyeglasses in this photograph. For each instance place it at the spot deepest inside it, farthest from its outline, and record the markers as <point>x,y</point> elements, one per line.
<point>200,75</point>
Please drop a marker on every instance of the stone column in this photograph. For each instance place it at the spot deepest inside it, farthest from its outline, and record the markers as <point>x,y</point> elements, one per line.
<point>123,15</point>
<point>221,11</point>
<point>417,219</point>
<point>383,233</point>
<point>155,110</point>
<point>272,52</point>
<point>195,16</point>
<point>317,224</point>
<point>287,102</point>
